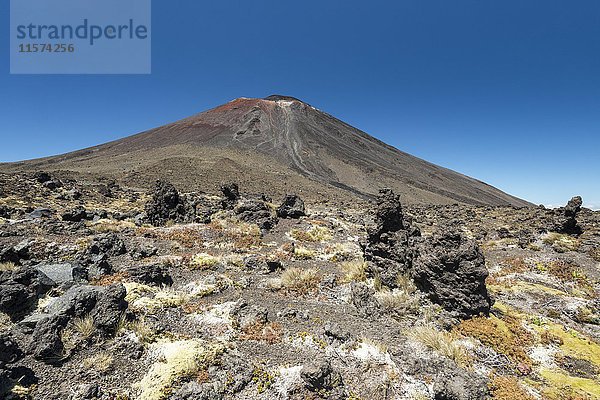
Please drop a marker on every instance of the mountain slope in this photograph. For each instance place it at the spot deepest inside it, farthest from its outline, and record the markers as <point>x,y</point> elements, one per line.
<point>275,144</point>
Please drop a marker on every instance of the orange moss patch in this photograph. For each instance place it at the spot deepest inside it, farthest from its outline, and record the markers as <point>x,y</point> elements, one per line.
<point>107,280</point>
<point>269,332</point>
<point>506,336</point>
<point>514,265</point>
<point>567,271</point>
<point>508,388</point>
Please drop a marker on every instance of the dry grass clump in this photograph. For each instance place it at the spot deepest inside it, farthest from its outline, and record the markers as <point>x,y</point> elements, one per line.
<point>302,253</point>
<point>405,283</point>
<point>269,332</point>
<point>506,336</point>
<point>561,243</point>
<point>354,271</point>
<point>85,326</point>
<point>203,261</point>
<point>100,362</point>
<point>300,279</point>
<point>314,234</point>
<point>442,342</point>
<point>508,388</point>
<point>7,266</point>
<point>111,226</point>
<point>397,301</point>
<point>242,235</point>
<point>400,300</point>
<point>185,236</point>
<point>143,331</point>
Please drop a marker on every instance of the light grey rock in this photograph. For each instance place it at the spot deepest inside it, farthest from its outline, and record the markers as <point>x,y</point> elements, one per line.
<point>63,273</point>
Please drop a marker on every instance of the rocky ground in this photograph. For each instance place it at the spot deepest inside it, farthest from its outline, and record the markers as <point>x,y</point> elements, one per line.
<point>109,292</point>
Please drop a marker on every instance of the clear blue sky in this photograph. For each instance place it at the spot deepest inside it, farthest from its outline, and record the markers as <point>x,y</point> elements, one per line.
<point>505,91</point>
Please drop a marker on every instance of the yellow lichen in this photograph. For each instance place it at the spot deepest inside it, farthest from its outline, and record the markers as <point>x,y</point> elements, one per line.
<point>574,344</point>
<point>178,360</point>
<point>563,386</point>
<point>203,261</point>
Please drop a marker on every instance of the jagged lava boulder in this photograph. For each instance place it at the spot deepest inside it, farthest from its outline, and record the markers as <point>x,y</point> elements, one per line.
<point>291,207</point>
<point>565,220</point>
<point>165,204</point>
<point>231,191</point>
<point>105,305</point>
<point>20,289</point>
<point>451,270</point>
<point>255,211</point>
<point>388,250</point>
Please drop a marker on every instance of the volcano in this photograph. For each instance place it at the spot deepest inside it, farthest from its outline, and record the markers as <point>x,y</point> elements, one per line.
<point>274,145</point>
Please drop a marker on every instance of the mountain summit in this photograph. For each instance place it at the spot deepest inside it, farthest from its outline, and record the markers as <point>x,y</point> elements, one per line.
<point>276,144</point>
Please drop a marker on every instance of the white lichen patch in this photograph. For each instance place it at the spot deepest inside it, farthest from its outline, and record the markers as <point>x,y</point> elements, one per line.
<point>200,288</point>
<point>216,320</point>
<point>370,353</point>
<point>412,388</point>
<point>543,355</point>
<point>288,380</point>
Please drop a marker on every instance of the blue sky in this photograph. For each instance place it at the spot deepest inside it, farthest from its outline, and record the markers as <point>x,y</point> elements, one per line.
<point>505,91</point>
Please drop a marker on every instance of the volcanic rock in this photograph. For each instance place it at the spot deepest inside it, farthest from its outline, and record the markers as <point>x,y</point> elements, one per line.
<point>451,270</point>
<point>292,207</point>
<point>565,220</point>
<point>255,211</point>
<point>231,192</point>
<point>389,250</point>
<point>165,204</point>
